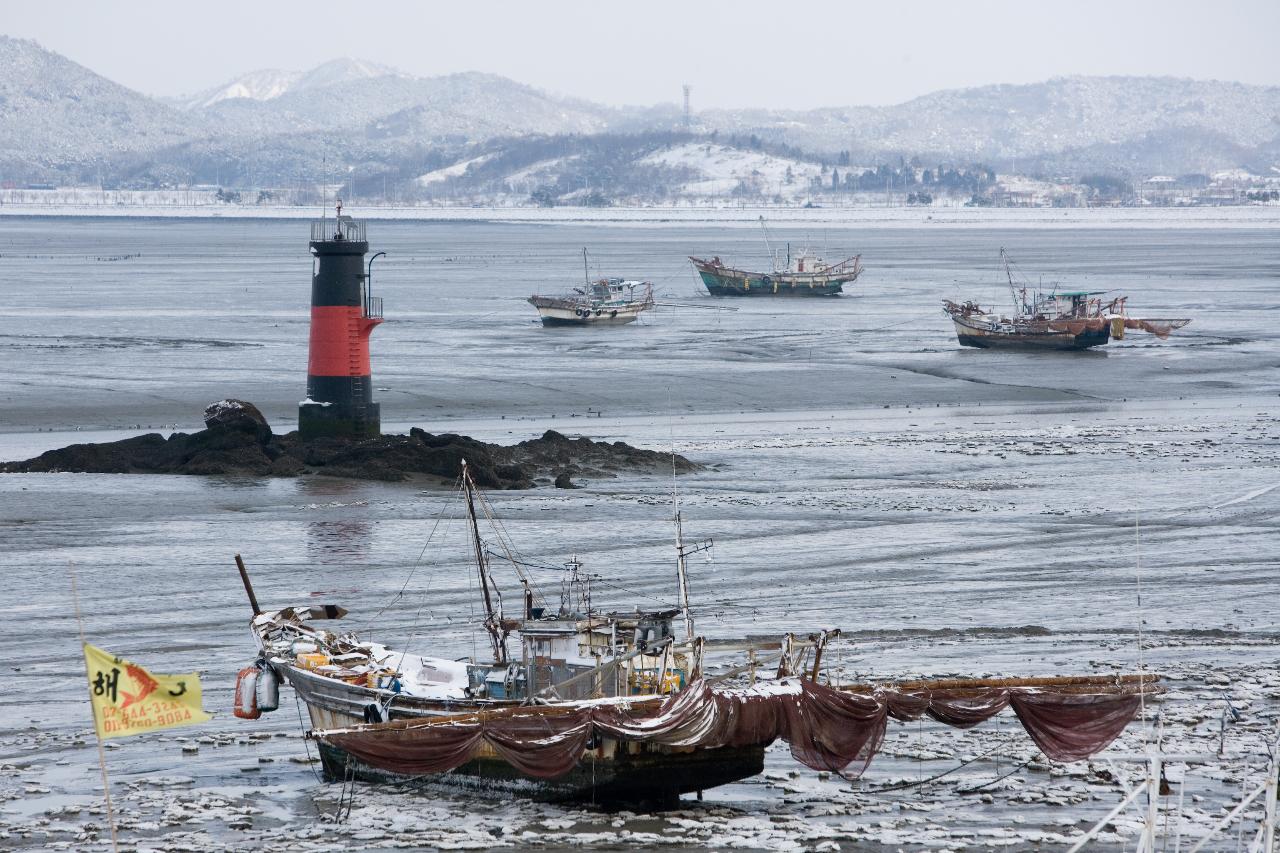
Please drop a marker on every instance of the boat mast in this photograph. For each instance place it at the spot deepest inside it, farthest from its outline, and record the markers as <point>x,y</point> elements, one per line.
<point>773,256</point>
<point>586,275</point>
<point>492,615</point>
<point>683,551</point>
<point>1018,293</point>
<point>682,575</point>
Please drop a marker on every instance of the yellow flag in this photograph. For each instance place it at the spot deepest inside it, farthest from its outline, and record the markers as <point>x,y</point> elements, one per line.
<point>128,700</point>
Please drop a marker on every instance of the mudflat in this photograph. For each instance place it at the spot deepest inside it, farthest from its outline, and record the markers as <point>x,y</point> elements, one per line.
<point>957,512</point>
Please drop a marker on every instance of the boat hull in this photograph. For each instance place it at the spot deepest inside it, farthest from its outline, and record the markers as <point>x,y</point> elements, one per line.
<point>333,704</point>
<point>551,318</point>
<point>615,772</point>
<point>981,337</point>
<point>759,284</point>
<point>558,312</point>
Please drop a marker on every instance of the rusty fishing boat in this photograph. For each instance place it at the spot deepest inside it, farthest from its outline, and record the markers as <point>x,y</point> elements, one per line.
<point>599,302</point>
<point>617,706</point>
<point>800,273</point>
<point>1053,320</point>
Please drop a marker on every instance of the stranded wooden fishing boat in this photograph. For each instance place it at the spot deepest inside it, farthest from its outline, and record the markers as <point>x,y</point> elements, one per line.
<point>348,682</point>
<point>615,707</point>
<point>704,726</point>
<point>572,653</point>
<point>1055,320</point>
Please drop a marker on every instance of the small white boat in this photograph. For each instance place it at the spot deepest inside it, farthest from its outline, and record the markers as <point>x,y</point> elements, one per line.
<point>603,302</point>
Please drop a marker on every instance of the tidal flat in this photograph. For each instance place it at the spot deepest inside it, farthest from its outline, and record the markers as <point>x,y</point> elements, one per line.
<point>955,512</point>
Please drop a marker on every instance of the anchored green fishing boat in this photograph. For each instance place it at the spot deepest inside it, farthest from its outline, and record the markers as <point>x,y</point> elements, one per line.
<point>817,280</point>
<point>803,274</point>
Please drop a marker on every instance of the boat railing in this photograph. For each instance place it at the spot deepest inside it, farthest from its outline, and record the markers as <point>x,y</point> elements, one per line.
<point>847,264</point>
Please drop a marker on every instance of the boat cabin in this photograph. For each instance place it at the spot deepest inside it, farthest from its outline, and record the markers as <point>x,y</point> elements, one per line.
<point>1078,304</point>
<point>614,290</point>
<point>576,656</point>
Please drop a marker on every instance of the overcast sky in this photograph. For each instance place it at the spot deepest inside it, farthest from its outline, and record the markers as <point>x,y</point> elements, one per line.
<point>786,53</point>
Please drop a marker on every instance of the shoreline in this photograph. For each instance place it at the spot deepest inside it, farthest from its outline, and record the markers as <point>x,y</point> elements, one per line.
<point>651,430</point>
<point>1254,216</point>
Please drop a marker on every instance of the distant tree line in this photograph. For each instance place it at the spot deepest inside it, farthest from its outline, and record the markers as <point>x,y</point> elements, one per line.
<point>944,179</point>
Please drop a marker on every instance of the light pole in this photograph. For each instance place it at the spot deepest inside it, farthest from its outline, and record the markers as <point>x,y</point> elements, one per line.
<point>368,280</point>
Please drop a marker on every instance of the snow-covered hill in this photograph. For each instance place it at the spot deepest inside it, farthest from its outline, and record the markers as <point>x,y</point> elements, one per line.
<point>1034,120</point>
<point>59,121</point>
<point>720,171</point>
<point>467,107</point>
<point>254,86</point>
<point>626,169</point>
<point>269,84</point>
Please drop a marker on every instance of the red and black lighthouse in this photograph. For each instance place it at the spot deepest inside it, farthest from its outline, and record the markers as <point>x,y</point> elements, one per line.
<point>343,313</point>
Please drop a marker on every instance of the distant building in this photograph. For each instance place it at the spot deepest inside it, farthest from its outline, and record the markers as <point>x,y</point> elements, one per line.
<point>1016,191</point>
<point>1159,190</point>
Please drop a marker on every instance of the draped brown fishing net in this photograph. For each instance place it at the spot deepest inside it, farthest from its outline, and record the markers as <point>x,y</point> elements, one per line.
<point>1160,328</point>
<point>827,729</point>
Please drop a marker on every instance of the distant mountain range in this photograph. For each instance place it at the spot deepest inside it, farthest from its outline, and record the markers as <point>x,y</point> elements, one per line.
<point>271,83</point>
<point>61,122</point>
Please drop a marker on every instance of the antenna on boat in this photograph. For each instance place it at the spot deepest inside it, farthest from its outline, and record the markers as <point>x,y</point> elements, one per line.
<point>683,551</point>
<point>492,615</point>
<point>574,585</point>
<point>682,574</point>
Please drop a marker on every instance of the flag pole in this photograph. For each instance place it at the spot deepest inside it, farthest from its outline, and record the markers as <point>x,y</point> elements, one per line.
<point>102,755</point>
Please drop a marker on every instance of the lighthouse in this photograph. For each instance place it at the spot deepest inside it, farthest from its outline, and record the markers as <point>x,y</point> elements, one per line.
<point>343,313</point>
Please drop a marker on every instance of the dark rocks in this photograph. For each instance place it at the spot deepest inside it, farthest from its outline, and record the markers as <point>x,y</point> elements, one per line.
<point>584,457</point>
<point>238,442</point>
<point>236,415</point>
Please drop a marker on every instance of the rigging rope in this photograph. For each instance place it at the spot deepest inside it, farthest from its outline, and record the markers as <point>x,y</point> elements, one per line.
<point>416,563</point>
<point>504,538</point>
<point>905,785</point>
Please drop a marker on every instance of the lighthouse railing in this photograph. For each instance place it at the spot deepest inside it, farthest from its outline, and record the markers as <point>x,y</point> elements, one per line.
<point>373,307</point>
<point>342,228</point>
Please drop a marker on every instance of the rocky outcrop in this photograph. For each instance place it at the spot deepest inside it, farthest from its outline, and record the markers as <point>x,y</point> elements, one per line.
<point>237,415</point>
<point>582,457</point>
<point>239,442</point>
